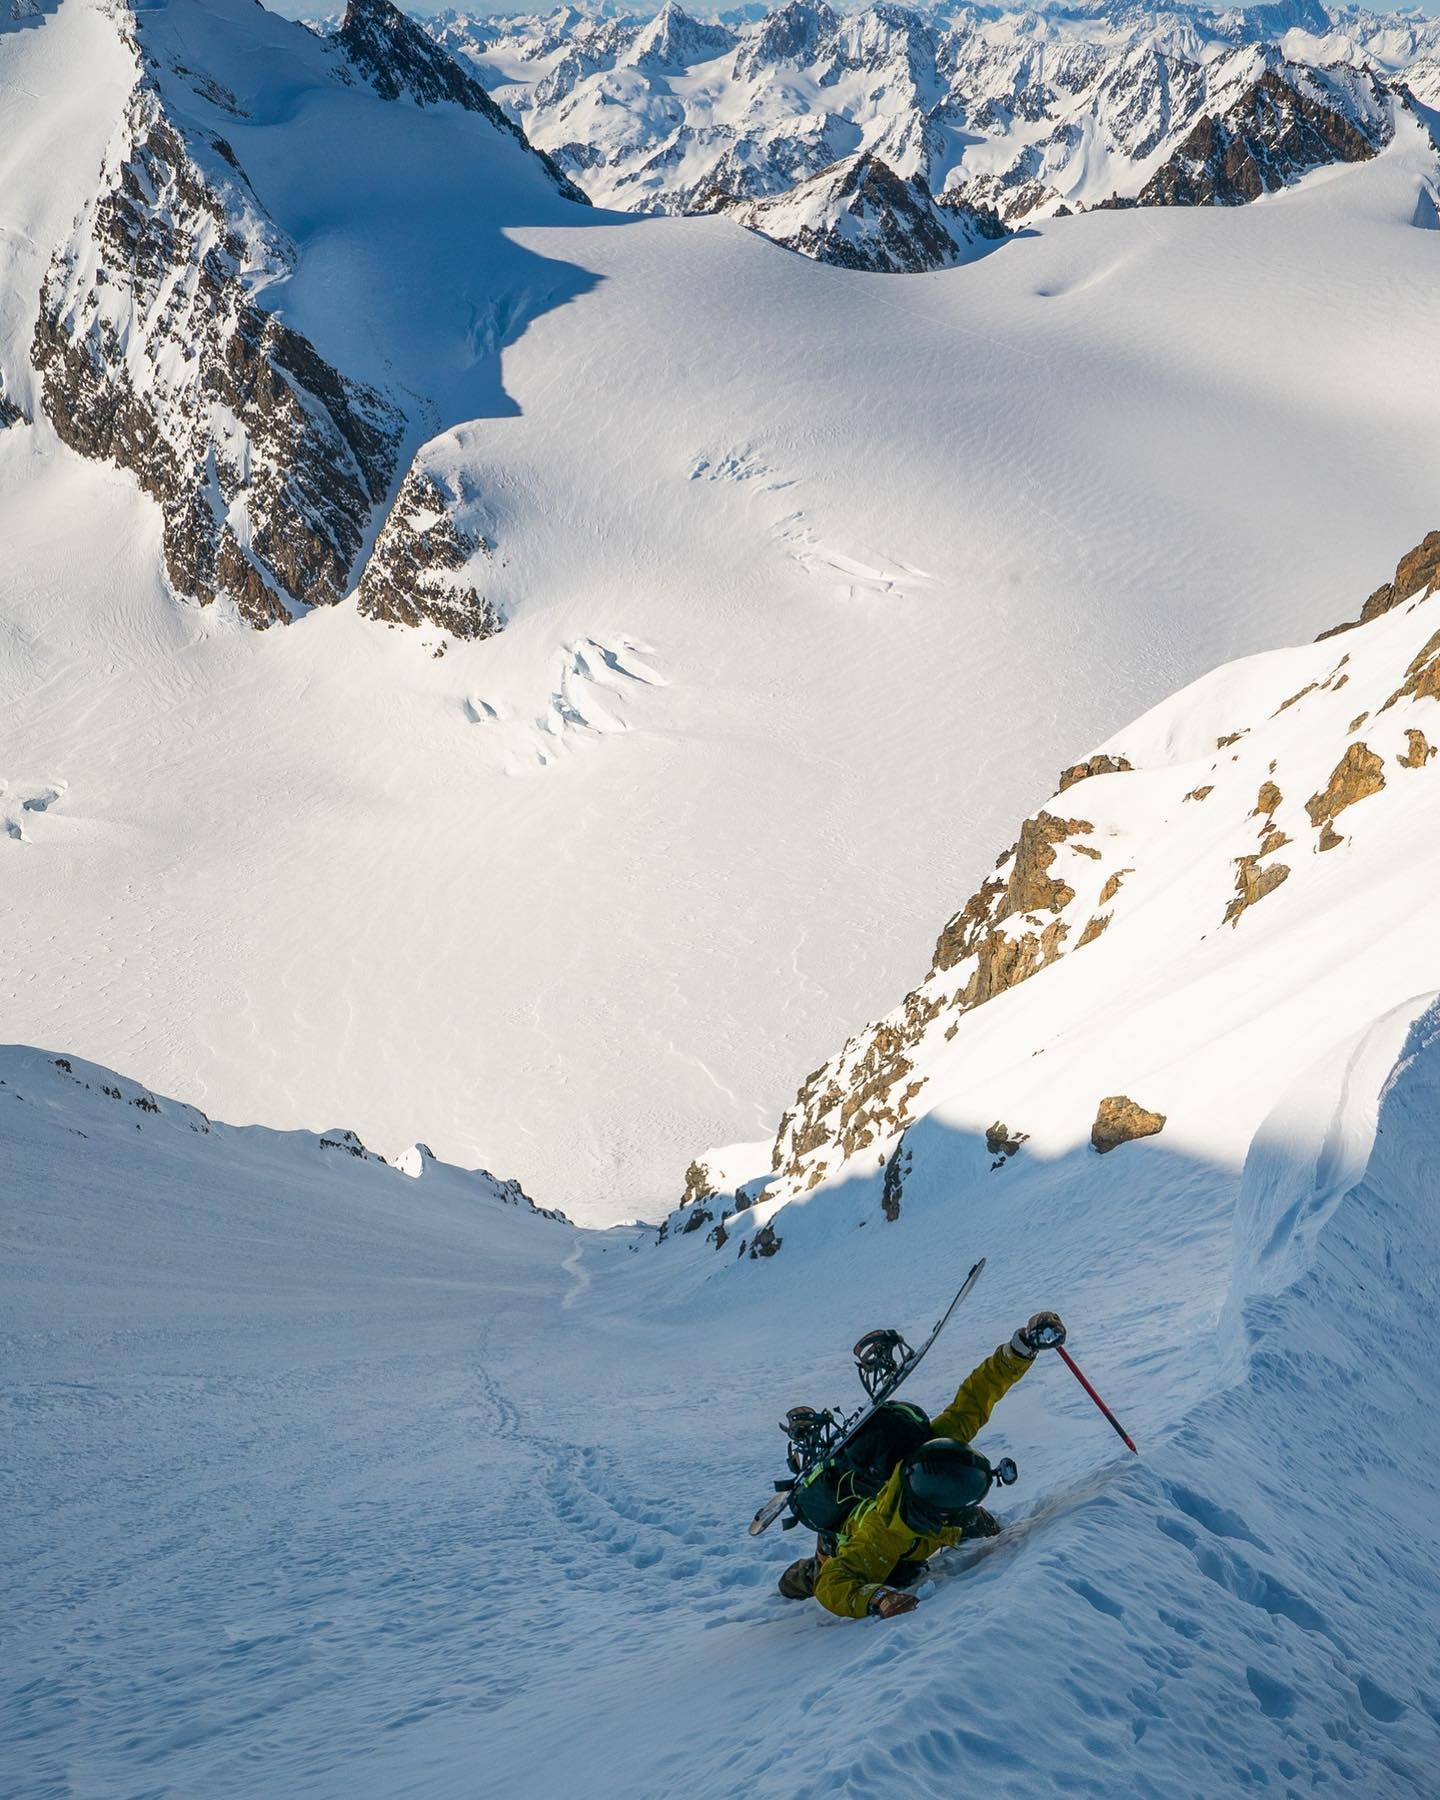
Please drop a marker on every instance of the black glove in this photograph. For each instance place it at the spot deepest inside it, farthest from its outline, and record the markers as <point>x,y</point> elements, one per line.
<point>1045,1331</point>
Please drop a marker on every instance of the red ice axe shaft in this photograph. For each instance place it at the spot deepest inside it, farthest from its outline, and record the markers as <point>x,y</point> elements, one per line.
<point>1074,1368</point>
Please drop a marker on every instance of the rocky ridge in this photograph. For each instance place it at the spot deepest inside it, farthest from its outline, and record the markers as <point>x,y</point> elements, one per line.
<point>159,344</point>
<point>1190,830</point>
<point>1287,122</point>
<point>154,353</point>
<point>397,57</point>
<point>859,214</point>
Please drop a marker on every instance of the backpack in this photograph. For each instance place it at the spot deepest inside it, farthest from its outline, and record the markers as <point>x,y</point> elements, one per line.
<point>826,1495</point>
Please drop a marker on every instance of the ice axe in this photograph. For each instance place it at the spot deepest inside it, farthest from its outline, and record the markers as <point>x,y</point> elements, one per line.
<point>1045,1339</point>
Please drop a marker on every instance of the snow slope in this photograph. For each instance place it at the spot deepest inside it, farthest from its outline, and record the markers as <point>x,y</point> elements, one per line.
<point>779,547</point>
<point>1250,866</point>
<point>326,1481</point>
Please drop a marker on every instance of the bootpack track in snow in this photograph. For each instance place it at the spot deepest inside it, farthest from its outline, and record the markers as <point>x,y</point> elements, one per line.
<point>319,1485</point>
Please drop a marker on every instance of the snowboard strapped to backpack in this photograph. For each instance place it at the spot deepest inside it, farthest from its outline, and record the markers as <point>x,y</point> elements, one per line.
<point>826,1495</point>
<point>820,1441</point>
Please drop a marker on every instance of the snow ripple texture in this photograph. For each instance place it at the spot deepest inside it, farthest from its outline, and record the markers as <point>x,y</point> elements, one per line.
<point>317,1487</point>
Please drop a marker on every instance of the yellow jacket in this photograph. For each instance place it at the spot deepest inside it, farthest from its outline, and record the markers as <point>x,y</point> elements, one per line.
<point>875,1536</point>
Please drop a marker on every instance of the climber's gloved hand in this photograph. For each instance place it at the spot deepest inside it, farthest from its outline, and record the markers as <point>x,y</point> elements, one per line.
<point>889,1603</point>
<point>1045,1331</point>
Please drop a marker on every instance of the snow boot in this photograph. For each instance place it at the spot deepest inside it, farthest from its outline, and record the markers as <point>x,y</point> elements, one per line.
<point>798,1581</point>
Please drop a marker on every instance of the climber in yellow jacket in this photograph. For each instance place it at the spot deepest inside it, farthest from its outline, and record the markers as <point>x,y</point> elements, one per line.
<point>932,1499</point>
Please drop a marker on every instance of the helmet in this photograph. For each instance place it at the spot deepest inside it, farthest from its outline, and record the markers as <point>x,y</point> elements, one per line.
<point>941,1482</point>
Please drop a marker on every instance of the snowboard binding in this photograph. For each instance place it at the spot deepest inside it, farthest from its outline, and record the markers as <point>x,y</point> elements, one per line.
<point>811,1434</point>
<point>882,1359</point>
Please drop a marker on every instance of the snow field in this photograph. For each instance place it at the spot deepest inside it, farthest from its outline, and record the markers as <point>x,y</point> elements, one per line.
<point>320,1486</point>
<point>325,873</point>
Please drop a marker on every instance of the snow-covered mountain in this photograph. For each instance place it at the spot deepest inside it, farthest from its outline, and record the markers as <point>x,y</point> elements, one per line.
<point>776,546</point>
<point>179,336</point>
<point>335,1470</point>
<point>859,214</point>
<point>1027,112</point>
<point>1247,868</point>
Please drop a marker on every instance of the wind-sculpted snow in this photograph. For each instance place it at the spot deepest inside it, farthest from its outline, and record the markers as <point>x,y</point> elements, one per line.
<point>1022,114</point>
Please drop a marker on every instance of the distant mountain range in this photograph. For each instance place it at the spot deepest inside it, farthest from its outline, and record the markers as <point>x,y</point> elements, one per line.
<point>900,139</point>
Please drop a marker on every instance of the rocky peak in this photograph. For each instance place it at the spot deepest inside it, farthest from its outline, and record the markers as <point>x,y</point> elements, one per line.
<point>398,58</point>
<point>163,340</point>
<point>673,40</point>
<point>794,33</point>
<point>859,214</point>
<point>1286,123</point>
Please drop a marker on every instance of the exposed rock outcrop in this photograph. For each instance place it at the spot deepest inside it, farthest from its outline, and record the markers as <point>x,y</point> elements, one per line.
<point>859,214</point>
<point>1422,678</point>
<point>1002,1143</point>
<point>1416,572</point>
<point>1252,884</point>
<point>1095,765</point>
<point>1119,1120</point>
<point>765,1242</point>
<point>10,413</point>
<point>1031,887</point>
<point>1358,774</point>
<point>341,1138</point>
<point>698,1185</point>
<point>266,462</point>
<point>893,1187</point>
<point>413,576</point>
